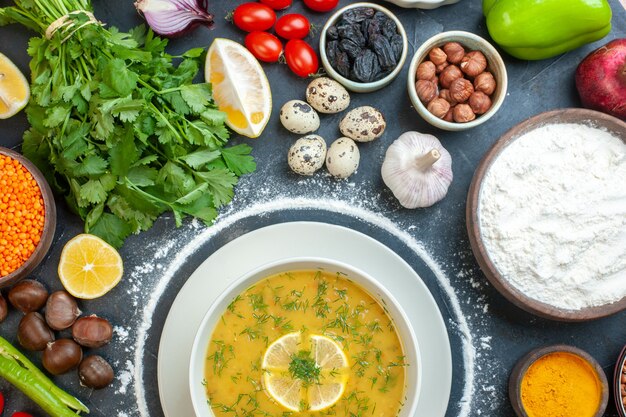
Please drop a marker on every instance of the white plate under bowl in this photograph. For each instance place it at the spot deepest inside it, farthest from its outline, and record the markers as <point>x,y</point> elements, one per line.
<point>302,239</point>
<point>370,284</point>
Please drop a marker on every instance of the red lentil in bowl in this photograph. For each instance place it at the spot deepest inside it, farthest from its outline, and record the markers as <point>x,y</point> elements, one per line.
<point>27,216</point>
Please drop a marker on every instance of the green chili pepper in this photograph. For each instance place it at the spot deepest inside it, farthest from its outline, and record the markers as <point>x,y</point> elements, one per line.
<point>539,29</point>
<point>24,375</point>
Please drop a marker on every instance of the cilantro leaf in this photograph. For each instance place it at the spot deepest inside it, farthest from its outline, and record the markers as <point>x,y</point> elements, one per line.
<point>118,77</point>
<point>200,157</point>
<point>112,229</point>
<point>238,159</point>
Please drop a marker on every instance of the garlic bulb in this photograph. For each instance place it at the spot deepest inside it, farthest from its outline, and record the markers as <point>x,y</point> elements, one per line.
<point>417,169</point>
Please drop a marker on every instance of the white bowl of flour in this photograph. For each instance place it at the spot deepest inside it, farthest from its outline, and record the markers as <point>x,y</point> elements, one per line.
<point>547,215</point>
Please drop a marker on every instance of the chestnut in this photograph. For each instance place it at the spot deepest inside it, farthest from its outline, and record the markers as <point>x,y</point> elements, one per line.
<point>61,356</point>
<point>61,310</point>
<point>95,372</point>
<point>33,333</point>
<point>28,295</point>
<point>4,309</point>
<point>92,331</point>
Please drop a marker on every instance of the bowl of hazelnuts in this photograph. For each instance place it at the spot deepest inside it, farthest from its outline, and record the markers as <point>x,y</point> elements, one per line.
<point>457,80</point>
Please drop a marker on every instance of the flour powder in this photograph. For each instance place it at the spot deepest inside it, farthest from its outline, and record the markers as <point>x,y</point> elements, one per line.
<point>552,212</point>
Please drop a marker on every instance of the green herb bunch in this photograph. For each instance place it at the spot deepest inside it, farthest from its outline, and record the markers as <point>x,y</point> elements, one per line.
<point>117,127</point>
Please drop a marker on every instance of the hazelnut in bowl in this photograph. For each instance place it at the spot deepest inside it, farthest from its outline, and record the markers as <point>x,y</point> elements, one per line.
<point>27,217</point>
<point>457,80</point>
<point>363,46</point>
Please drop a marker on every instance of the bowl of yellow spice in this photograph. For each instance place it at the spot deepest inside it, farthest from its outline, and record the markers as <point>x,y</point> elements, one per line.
<point>558,381</point>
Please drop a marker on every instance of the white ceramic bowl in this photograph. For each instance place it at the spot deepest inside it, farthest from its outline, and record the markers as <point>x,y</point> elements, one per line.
<point>422,4</point>
<point>355,86</point>
<point>403,326</point>
<point>495,65</point>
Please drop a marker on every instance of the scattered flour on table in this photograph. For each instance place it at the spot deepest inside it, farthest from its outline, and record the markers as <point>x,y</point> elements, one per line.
<point>164,258</point>
<point>553,215</point>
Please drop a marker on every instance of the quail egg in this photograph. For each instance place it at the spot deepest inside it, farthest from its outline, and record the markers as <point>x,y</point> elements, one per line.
<point>307,155</point>
<point>363,124</point>
<point>299,117</point>
<point>327,95</point>
<point>342,158</point>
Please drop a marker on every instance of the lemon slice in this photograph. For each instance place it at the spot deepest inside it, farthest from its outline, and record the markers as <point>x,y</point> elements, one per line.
<point>240,87</point>
<point>305,373</point>
<point>14,90</point>
<point>89,267</point>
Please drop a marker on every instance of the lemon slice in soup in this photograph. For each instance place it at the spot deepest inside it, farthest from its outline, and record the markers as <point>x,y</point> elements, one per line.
<point>305,372</point>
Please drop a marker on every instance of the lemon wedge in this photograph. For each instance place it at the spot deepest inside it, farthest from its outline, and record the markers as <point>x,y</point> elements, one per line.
<point>89,267</point>
<point>305,373</point>
<point>14,89</point>
<point>240,87</point>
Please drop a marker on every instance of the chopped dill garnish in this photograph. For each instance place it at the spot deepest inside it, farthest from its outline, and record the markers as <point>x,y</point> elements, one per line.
<point>219,357</point>
<point>304,368</point>
<point>256,301</point>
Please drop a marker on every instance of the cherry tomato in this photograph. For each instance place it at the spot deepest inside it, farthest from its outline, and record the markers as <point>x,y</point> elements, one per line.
<point>301,58</point>
<point>292,26</point>
<point>253,17</point>
<point>277,4</point>
<point>1,403</point>
<point>264,46</point>
<point>321,5</point>
<point>20,414</point>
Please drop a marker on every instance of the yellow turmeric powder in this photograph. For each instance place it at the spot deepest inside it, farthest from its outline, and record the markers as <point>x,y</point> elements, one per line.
<point>561,384</point>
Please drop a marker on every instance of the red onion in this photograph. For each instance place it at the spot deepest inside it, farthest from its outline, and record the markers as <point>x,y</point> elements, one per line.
<point>601,79</point>
<point>171,18</point>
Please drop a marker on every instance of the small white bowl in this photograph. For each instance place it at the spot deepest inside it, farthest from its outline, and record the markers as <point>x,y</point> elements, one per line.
<point>356,86</point>
<point>422,4</point>
<point>371,285</point>
<point>472,42</point>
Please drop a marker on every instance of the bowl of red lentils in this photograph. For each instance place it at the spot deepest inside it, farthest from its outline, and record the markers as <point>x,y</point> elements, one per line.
<point>27,217</point>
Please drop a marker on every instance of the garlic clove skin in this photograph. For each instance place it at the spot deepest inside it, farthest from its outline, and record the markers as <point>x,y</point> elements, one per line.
<point>417,169</point>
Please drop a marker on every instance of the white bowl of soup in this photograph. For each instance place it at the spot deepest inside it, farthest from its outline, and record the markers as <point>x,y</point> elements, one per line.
<point>305,337</point>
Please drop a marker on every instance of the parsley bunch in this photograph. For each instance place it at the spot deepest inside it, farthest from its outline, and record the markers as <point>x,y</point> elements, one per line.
<point>118,127</point>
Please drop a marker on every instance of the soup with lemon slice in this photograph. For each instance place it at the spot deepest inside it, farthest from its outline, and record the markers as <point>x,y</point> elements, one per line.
<point>305,343</point>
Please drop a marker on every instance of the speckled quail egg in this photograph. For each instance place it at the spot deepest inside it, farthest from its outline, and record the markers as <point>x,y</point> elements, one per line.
<point>342,158</point>
<point>307,155</point>
<point>363,124</point>
<point>327,95</point>
<point>299,117</point>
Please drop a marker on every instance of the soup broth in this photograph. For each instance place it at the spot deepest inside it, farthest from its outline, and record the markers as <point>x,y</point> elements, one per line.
<point>295,319</point>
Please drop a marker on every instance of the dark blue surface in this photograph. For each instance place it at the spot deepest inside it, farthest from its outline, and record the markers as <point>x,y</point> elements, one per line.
<point>533,87</point>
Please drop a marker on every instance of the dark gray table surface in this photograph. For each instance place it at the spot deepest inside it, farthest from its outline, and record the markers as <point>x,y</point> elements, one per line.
<point>500,332</point>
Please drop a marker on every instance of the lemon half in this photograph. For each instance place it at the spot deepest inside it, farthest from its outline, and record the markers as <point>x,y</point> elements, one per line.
<point>89,267</point>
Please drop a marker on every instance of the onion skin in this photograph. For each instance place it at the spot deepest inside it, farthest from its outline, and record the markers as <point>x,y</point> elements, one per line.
<point>173,18</point>
<point>601,79</point>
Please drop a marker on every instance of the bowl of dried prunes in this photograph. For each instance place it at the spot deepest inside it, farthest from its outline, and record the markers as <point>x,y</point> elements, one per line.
<point>363,46</point>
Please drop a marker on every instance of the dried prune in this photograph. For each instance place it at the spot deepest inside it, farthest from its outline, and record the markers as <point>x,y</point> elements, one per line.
<point>382,48</point>
<point>332,33</point>
<point>380,16</point>
<point>396,46</point>
<point>343,64</point>
<point>332,48</point>
<point>389,28</point>
<point>352,49</point>
<point>352,32</point>
<point>370,27</point>
<point>366,66</point>
<point>357,15</point>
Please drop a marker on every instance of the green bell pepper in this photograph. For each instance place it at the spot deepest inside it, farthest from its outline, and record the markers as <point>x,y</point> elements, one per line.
<point>539,29</point>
